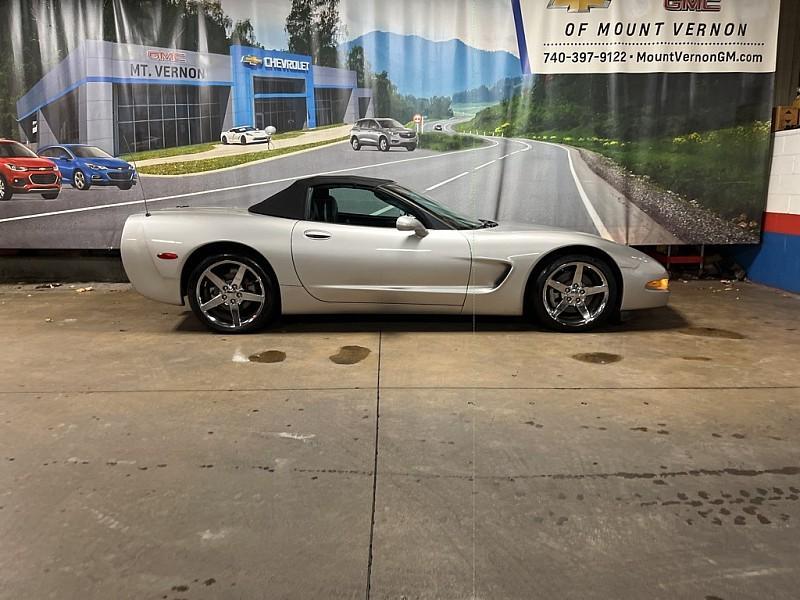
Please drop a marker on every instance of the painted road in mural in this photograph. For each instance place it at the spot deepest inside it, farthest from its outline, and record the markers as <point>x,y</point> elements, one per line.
<point>507,179</point>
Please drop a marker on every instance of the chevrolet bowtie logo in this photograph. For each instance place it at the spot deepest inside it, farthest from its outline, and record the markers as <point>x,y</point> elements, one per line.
<point>251,60</point>
<point>579,6</point>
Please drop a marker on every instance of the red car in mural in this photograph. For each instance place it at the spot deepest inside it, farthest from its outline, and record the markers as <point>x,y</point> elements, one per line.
<point>23,172</point>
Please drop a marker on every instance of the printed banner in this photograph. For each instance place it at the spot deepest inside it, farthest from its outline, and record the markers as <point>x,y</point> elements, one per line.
<point>647,36</point>
<point>642,121</point>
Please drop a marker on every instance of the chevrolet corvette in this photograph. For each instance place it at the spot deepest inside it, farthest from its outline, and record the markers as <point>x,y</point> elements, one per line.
<point>344,244</point>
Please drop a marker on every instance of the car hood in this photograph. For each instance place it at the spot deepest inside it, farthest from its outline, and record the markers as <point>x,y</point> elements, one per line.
<point>112,163</point>
<point>399,130</point>
<point>31,163</point>
<point>515,227</point>
<point>625,256</point>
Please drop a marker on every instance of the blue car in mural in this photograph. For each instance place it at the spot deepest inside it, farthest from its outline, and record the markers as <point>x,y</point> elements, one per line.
<point>84,166</point>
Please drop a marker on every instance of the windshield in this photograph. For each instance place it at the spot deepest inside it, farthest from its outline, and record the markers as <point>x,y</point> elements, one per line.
<point>243,129</point>
<point>90,152</point>
<point>442,212</point>
<point>15,150</point>
<point>389,123</point>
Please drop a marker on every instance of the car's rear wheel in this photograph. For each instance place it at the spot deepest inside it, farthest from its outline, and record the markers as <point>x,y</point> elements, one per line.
<point>50,196</point>
<point>225,140</point>
<point>5,191</point>
<point>233,293</point>
<point>355,144</point>
<point>383,144</point>
<point>79,180</point>
<point>575,293</point>
<point>243,140</point>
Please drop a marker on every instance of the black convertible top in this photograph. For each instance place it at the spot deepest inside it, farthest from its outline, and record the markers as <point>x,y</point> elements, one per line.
<point>290,203</point>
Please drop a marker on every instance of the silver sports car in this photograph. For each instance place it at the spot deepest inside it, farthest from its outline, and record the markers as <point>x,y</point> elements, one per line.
<point>357,245</point>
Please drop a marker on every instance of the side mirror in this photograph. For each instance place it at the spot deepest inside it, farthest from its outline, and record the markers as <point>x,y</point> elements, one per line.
<point>409,223</point>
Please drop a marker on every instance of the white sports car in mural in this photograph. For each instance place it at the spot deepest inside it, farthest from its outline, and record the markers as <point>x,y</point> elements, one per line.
<point>356,245</point>
<point>244,135</point>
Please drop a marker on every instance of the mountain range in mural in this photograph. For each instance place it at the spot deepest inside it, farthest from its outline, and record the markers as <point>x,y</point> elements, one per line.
<point>425,68</point>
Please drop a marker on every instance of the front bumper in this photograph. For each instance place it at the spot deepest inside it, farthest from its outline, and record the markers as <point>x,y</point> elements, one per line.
<point>112,177</point>
<point>36,182</point>
<point>403,141</point>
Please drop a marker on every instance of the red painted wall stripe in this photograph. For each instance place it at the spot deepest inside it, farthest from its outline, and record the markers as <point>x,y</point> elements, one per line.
<point>782,223</point>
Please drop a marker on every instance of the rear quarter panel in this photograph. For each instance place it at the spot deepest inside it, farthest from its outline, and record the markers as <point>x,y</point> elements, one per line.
<point>186,232</point>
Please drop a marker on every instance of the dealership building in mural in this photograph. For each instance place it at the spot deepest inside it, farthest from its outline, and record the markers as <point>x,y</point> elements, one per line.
<point>126,97</point>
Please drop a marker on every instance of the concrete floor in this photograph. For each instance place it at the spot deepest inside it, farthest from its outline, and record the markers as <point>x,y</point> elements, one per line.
<point>141,457</point>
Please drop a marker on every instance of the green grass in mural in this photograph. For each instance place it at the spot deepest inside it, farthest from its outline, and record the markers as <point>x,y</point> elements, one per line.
<point>222,162</point>
<point>167,152</point>
<point>442,142</point>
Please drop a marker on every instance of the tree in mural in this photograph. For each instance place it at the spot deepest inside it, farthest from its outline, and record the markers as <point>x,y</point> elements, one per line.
<point>356,62</point>
<point>313,29</point>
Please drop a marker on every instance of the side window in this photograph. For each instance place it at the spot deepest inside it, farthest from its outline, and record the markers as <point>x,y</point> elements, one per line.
<point>50,153</point>
<point>372,125</point>
<point>354,206</point>
<point>61,153</point>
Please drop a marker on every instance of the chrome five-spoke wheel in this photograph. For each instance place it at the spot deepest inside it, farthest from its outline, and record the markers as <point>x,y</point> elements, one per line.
<point>576,293</point>
<point>232,294</point>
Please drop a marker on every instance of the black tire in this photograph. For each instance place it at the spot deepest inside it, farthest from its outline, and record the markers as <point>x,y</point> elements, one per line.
<point>243,141</point>
<point>79,181</point>
<point>583,306</point>
<point>225,140</point>
<point>383,144</point>
<point>125,186</point>
<point>411,148</point>
<point>220,319</point>
<point>50,196</point>
<point>5,191</point>
<point>355,144</point>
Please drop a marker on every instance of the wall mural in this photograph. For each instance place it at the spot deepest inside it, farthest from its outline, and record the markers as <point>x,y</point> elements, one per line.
<point>643,121</point>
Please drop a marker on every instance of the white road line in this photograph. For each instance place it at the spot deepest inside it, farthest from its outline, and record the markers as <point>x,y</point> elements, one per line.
<point>602,230</point>
<point>485,165</point>
<point>234,187</point>
<point>446,181</point>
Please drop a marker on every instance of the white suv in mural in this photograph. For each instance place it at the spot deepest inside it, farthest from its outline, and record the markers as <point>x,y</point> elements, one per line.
<point>244,135</point>
<point>383,133</point>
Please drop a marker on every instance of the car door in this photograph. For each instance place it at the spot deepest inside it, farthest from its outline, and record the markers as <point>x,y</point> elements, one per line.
<point>371,132</point>
<point>349,250</point>
<point>63,160</point>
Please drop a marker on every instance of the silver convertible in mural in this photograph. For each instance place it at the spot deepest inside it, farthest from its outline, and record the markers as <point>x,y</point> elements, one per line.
<point>357,245</point>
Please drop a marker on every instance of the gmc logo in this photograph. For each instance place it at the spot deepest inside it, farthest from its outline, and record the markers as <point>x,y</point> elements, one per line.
<point>167,56</point>
<point>694,5</point>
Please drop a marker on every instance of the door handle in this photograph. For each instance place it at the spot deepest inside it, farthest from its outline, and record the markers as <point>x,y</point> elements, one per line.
<point>316,234</point>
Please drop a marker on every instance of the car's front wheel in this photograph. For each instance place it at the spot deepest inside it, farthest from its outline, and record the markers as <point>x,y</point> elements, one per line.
<point>383,145</point>
<point>575,293</point>
<point>5,191</point>
<point>232,293</point>
<point>125,186</point>
<point>50,196</point>
<point>411,147</point>
<point>355,144</point>
<point>79,180</point>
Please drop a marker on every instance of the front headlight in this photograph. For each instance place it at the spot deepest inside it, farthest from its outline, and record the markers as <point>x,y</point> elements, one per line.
<point>659,285</point>
<point>14,167</point>
<point>96,167</point>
